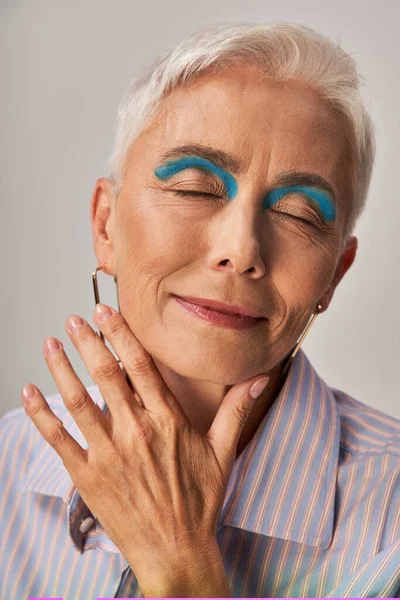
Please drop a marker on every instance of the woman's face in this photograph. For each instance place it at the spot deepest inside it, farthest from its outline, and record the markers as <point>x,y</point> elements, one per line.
<point>235,246</point>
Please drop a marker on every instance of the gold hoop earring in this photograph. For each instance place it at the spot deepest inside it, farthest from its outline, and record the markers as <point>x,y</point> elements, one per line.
<point>96,289</point>
<point>97,297</point>
<point>307,329</point>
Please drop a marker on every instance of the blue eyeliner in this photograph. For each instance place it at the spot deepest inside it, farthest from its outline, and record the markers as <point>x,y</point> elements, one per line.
<point>174,166</point>
<point>321,198</point>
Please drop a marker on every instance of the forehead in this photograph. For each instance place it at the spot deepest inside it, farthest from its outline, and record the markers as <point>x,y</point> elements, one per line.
<point>268,126</point>
<point>247,106</point>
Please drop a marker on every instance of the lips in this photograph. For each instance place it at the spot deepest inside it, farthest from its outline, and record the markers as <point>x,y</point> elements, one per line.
<point>218,318</point>
<point>224,308</point>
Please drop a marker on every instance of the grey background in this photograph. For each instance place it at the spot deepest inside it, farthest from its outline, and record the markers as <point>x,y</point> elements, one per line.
<point>64,66</point>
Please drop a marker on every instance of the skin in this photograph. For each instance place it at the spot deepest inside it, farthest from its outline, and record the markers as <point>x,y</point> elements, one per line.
<point>156,243</point>
<point>156,471</point>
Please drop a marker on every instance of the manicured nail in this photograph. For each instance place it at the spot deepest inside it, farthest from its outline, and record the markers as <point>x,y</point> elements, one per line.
<point>73,323</point>
<point>258,387</point>
<point>103,312</point>
<point>51,345</point>
<point>28,392</point>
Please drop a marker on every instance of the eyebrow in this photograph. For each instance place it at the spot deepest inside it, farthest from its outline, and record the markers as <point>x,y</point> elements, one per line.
<point>295,178</point>
<point>235,165</point>
<point>218,157</point>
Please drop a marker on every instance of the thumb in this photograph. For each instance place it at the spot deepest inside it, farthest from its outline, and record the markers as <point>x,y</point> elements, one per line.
<point>232,415</point>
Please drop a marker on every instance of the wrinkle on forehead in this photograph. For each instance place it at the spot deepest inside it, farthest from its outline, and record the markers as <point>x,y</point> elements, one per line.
<point>274,127</point>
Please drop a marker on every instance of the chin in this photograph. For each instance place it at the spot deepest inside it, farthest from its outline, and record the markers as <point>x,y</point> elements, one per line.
<point>208,367</point>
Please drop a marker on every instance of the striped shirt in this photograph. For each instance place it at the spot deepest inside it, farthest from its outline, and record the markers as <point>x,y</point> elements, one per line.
<point>312,507</point>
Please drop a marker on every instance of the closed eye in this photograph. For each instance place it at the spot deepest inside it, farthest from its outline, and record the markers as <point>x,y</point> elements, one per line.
<point>279,212</point>
<point>195,193</point>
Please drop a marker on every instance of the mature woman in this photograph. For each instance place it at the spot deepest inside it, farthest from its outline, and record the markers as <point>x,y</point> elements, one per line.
<point>212,459</point>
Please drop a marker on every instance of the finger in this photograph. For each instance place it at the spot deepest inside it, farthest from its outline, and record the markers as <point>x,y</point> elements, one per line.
<point>53,431</point>
<point>104,370</point>
<point>86,413</point>
<point>138,363</point>
<point>232,416</point>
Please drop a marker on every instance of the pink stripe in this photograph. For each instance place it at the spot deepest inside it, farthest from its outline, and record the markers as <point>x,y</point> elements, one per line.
<point>373,412</point>
<point>40,550</point>
<point>316,438</point>
<point>280,568</point>
<point>249,571</point>
<point>24,550</point>
<point>349,535</point>
<point>235,559</point>
<point>395,529</point>
<point>390,588</point>
<point>368,426</point>
<point>12,516</point>
<point>329,501</point>
<point>367,521</point>
<point>343,511</point>
<point>266,567</point>
<point>273,476</point>
<point>372,580</point>
<point>317,553</point>
<point>57,534</point>
<point>362,436</point>
<point>298,563</point>
<point>288,476</point>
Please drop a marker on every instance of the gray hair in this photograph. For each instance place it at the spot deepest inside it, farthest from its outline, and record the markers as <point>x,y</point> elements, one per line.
<point>283,51</point>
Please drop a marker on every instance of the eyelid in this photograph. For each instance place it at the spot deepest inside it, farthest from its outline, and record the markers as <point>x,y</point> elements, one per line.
<point>326,209</point>
<point>195,193</point>
<point>301,219</point>
<point>171,167</point>
<point>316,214</point>
<point>214,187</point>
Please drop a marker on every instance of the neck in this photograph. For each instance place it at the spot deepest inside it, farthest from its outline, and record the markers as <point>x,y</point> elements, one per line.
<point>200,400</point>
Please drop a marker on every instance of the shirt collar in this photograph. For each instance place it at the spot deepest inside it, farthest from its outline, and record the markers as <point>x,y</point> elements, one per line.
<point>284,482</point>
<point>282,485</point>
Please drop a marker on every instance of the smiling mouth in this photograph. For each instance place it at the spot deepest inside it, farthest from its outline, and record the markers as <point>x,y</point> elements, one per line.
<point>223,312</point>
<point>219,318</point>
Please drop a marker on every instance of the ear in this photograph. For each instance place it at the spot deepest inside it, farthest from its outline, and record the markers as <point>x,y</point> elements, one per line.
<point>344,264</point>
<point>102,213</point>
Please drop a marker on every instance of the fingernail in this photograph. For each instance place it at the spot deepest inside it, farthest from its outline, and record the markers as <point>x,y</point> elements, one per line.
<point>73,323</point>
<point>103,312</point>
<point>28,392</point>
<point>51,345</point>
<point>258,387</point>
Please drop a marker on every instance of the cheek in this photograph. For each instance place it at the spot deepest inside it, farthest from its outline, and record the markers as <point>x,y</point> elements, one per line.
<point>164,235</point>
<point>153,245</point>
<point>301,268</point>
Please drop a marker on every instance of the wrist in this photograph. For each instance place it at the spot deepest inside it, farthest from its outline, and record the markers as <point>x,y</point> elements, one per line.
<point>198,573</point>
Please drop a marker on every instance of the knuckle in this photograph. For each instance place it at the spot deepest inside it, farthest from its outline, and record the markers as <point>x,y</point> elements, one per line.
<point>55,434</point>
<point>171,421</point>
<point>115,325</point>
<point>35,407</point>
<point>139,363</point>
<point>241,413</point>
<point>143,434</point>
<point>82,333</point>
<point>77,401</point>
<point>107,370</point>
<point>58,359</point>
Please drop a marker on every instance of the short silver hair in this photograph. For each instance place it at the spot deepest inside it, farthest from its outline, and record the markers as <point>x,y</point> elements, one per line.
<point>283,51</point>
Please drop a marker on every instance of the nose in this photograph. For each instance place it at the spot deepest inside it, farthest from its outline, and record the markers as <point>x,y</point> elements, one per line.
<point>235,241</point>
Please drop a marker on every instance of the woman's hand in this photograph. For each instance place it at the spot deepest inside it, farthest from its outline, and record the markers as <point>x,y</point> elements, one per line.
<point>156,485</point>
